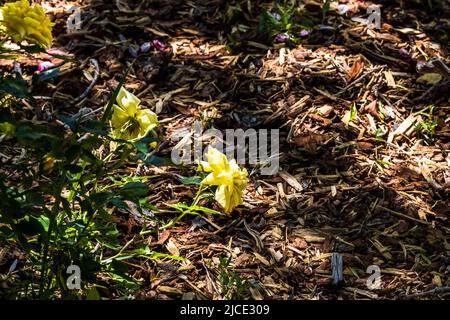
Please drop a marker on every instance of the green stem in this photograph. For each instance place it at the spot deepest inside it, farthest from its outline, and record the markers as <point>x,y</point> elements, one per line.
<point>185,212</point>
<point>44,266</point>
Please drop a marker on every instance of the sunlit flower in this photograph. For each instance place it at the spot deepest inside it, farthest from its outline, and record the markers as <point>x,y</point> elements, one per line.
<point>48,163</point>
<point>128,120</point>
<point>227,176</point>
<point>21,21</point>
<point>7,128</point>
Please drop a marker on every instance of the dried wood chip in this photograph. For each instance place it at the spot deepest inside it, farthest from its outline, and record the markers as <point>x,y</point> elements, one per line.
<point>172,248</point>
<point>389,79</point>
<point>291,180</point>
<point>362,292</point>
<point>169,290</point>
<point>402,128</point>
<point>262,259</point>
<point>310,140</point>
<point>355,70</point>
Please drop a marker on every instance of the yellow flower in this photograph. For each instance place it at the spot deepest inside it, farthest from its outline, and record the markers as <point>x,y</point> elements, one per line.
<point>7,128</point>
<point>21,21</point>
<point>49,163</point>
<point>128,120</point>
<point>230,179</point>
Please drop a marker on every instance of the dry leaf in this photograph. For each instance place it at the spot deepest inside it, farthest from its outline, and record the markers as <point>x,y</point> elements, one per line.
<point>326,122</point>
<point>430,78</point>
<point>389,79</point>
<point>163,236</point>
<point>422,214</point>
<point>371,108</point>
<point>325,110</point>
<point>346,118</point>
<point>355,70</point>
<point>310,141</point>
<point>172,248</point>
<point>402,128</point>
<point>291,180</point>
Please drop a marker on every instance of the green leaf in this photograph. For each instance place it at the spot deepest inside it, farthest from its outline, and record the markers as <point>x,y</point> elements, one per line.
<point>44,221</point>
<point>101,198</point>
<point>17,86</point>
<point>7,128</point>
<point>158,161</point>
<point>204,209</point>
<point>45,75</point>
<point>118,203</point>
<point>134,190</point>
<point>93,294</point>
<point>191,180</point>
<point>108,110</point>
<point>179,206</point>
<point>32,49</point>
<point>29,226</point>
<point>30,135</point>
<point>141,147</point>
<point>124,280</point>
<point>353,112</point>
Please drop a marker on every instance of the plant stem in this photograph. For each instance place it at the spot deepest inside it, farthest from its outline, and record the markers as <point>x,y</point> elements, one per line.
<point>53,215</point>
<point>185,212</point>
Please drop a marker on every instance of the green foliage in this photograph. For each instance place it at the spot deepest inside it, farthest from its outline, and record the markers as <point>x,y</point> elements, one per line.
<point>326,7</point>
<point>353,112</point>
<point>279,21</point>
<point>379,134</point>
<point>427,127</point>
<point>233,287</point>
<point>284,19</point>
<point>15,86</point>
<point>56,209</point>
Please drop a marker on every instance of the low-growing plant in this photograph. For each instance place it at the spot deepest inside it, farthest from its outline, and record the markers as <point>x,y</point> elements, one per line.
<point>284,23</point>
<point>427,126</point>
<point>54,208</point>
<point>233,286</point>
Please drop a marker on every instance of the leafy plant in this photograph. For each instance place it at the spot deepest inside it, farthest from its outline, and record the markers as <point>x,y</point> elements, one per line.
<point>326,7</point>
<point>284,22</point>
<point>379,134</point>
<point>56,209</point>
<point>233,287</point>
<point>427,126</point>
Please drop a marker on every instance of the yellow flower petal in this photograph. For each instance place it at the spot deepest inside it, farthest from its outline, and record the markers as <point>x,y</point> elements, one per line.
<point>147,119</point>
<point>230,179</point>
<point>129,121</point>
<point>128,101</point>
<point>119,116</point>
<point>216,159</point>
<point>204,166</point>
<point>21,21</point>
